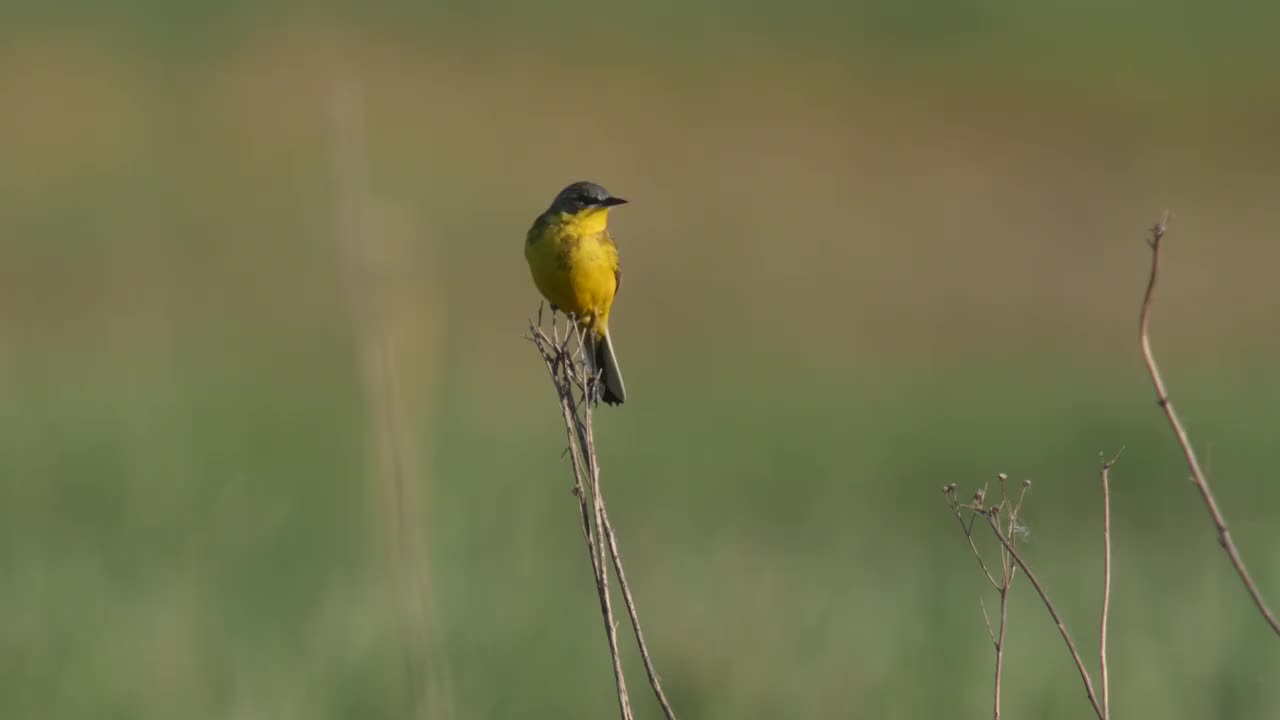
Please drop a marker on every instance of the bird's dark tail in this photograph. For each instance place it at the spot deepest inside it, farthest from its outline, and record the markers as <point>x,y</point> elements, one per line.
<point>603,360</point>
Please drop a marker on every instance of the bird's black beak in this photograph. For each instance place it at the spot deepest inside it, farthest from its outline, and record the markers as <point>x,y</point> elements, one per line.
<point>612,201</point>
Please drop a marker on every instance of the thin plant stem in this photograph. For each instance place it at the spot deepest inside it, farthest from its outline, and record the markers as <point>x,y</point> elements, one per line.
<point>1053,611</point>
<point>654,681</point>
<point>1004,619</point>
<point>1106,587</point>
<point>1008,569</point>
<point>562,354</point>
<point>559,364</point>
<point>968,536</point>
<point>1184,441</point>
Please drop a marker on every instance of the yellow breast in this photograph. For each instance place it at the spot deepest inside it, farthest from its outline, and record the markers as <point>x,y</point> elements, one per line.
<point>574,264</point>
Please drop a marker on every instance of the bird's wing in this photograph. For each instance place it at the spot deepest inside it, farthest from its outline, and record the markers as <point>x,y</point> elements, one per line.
<point>617,263</point>
<point>535,230</point>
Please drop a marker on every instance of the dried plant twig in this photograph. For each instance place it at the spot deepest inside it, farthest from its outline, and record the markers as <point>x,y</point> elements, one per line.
<point>1002,518</point>
<point>1009,511</point>
<point>1053,611</point>
<point>1157,233</point>
<point>649,670</point>
<point>564,371</point>
<point>577,393</point>
<point>1105,474</point>
<point>967,528</point>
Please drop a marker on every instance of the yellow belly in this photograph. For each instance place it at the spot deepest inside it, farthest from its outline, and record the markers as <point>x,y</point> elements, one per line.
<point>576,272</point>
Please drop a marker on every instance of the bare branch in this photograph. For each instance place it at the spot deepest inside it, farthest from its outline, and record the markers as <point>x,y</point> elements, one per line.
<point>559,361</point>
<point>654,681</point>
<point>562,353</point>
<point>991,635</point>
<point>1193,463</point>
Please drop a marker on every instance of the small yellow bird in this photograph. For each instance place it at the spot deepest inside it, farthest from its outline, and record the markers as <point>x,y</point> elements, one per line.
<point>574,264</point>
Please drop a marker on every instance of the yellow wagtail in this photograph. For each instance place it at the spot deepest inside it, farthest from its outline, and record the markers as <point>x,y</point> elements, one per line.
<point>574,263</point>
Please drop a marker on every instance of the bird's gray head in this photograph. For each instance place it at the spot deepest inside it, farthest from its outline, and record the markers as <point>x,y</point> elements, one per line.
<point>582,196</point>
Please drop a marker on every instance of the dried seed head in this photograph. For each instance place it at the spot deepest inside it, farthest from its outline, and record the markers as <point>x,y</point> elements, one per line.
<point>1002,477</point>
<point>1026,483</point>
<point>949,489</point>
<point>978,496</point>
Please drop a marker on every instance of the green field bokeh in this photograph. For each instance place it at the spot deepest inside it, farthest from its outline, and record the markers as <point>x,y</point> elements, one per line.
<point>871,249</point>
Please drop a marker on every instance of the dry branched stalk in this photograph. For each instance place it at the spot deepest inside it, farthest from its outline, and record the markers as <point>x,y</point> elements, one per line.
<point>1053,612</point>
<point>1002,518</point>
<point>1007,514</point>
<point>1157,233</point>
<point>577,392</point>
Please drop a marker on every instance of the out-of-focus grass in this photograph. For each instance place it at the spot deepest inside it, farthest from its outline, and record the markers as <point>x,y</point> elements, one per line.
<point>847,284</point>
<point>1172,44</point>
<point>198,538</point>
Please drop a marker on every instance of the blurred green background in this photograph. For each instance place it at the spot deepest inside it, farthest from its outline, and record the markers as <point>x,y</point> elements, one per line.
<point>874,247</point>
